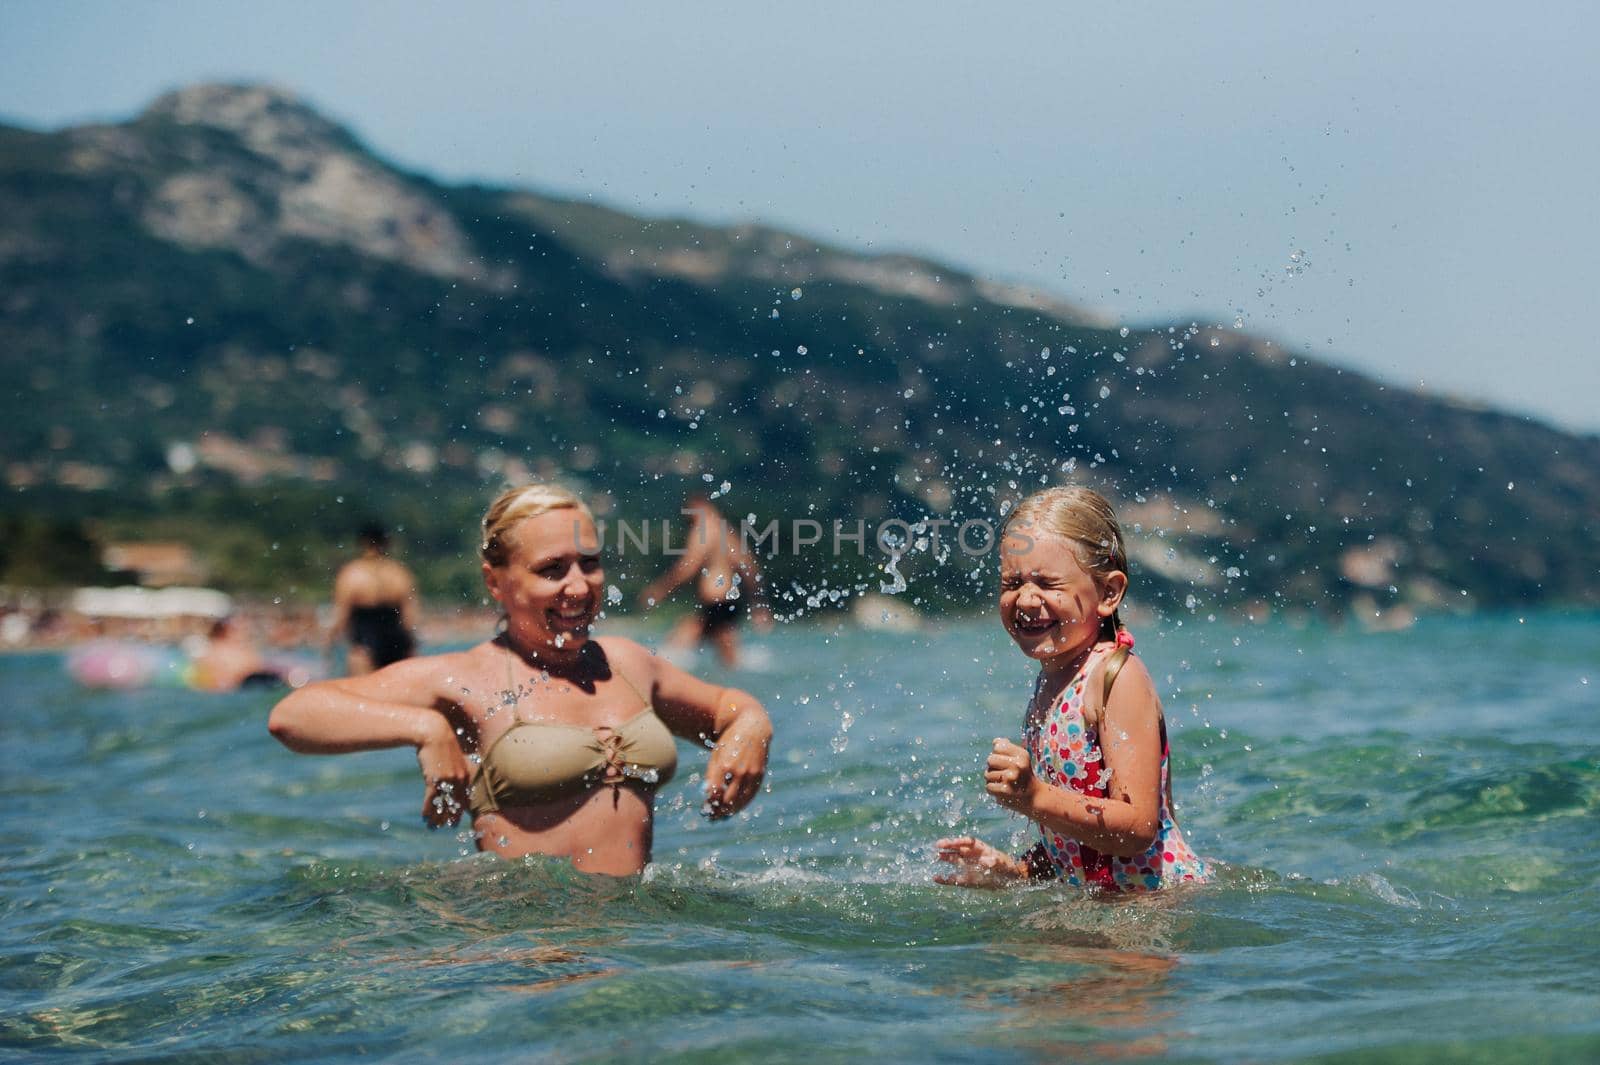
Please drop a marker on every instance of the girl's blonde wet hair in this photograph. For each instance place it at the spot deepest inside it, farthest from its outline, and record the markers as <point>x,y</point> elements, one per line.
<point>1084,518</point>
<point>518,504</point>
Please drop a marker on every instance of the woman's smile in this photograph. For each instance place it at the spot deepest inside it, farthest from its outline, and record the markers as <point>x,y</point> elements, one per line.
<point>571,617</point>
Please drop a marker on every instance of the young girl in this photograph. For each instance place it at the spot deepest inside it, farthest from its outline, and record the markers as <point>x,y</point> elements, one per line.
<point>1093,769</point>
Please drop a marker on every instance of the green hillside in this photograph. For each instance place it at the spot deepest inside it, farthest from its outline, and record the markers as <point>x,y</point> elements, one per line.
<point>227,322</point>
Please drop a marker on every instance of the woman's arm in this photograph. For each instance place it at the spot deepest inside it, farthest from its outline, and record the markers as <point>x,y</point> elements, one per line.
<point>1128,820</point>
<point>394,707</point>
<point>730,718</point>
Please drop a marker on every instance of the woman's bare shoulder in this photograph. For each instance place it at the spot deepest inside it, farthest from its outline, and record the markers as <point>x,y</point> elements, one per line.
<point>442,668</point>
<point>629,655</point>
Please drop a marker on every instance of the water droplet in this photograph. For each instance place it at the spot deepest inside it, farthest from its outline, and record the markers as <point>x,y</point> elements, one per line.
<point>795,294</point>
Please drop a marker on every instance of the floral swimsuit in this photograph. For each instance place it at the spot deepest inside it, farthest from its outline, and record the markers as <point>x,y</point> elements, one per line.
<point>1065,753</point>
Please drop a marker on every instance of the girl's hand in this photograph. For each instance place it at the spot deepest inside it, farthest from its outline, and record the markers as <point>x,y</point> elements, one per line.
<point>978,864</point>
<point>447,775</point>
<point>1009,777</point>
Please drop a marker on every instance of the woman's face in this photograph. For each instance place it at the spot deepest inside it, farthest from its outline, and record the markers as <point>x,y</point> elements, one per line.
<point>551,584</point>
<point>1050,604</point>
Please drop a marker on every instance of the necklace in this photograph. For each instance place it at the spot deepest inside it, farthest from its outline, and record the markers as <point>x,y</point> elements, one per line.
<point>542,673</point>
<point>511,697</point>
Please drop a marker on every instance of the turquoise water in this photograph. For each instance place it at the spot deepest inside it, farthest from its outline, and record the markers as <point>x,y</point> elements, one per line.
<point>1406,821</point>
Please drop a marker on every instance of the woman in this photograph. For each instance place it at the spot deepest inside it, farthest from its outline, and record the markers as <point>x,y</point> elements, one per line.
<point>573,733</point>
<point>375,605</point>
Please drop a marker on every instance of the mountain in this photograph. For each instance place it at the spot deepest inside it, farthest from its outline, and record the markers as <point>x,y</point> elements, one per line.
<point>227,321</point>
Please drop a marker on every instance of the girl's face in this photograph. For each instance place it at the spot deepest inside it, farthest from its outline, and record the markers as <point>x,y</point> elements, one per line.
<point>1049,603</point>
<point>551,583</point>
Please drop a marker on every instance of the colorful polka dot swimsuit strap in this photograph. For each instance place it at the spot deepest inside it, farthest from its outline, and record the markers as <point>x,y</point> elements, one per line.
<point>1065,752</point>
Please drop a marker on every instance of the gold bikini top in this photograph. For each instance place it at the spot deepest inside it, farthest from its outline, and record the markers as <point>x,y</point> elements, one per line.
<point>534,763</point>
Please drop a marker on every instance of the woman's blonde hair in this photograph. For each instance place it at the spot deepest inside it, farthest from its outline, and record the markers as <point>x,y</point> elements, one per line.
<point>518,504</point>
<point>1084,518</point>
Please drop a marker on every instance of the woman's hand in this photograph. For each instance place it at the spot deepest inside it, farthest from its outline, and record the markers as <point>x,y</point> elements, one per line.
<point>730,718</point>
<point>1009,777</point>
<point>446,773</point>
<point>978,864</point>
<point>736,767</point>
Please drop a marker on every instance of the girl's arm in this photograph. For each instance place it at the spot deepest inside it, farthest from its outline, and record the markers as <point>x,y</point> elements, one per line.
<point>1128,820</point>
<point>394,707</point>
<point>732,719</point>
<point>977,864</point>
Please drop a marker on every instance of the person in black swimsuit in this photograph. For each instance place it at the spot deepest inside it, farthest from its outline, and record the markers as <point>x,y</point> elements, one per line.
<point>719,615</point>
<point>374,606</point>
<point>726,580</point>
<point>380,631</point>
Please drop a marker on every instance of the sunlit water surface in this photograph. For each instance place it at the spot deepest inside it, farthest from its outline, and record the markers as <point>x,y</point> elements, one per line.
<point>1405,822</point>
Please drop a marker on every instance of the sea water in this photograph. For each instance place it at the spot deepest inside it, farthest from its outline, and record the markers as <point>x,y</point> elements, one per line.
<point>1404,824</point>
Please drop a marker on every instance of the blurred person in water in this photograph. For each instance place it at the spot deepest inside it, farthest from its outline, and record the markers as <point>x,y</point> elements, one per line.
<point>374,606</point>
<point>1092,770</point>
<point>573,733</point>
<point>230,659</point>
<point>726,581</point>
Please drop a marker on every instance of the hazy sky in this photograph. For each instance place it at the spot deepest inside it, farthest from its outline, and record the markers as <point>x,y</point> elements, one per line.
<point>1435,165</point>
